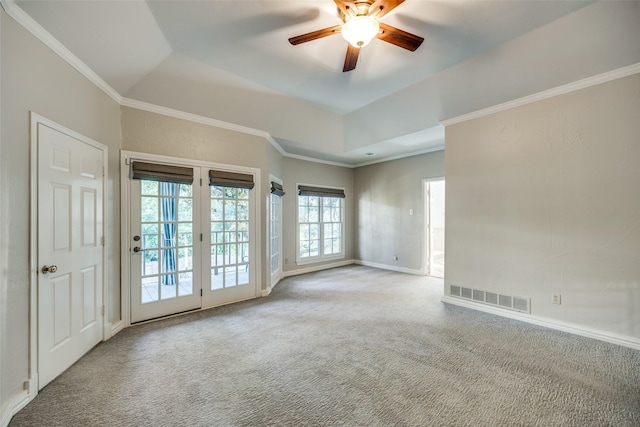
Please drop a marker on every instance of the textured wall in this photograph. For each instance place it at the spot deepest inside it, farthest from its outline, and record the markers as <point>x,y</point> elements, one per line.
<point>35,79</point>
<point>153,133</point>
<point>544,199</point>
<point>384,193</point>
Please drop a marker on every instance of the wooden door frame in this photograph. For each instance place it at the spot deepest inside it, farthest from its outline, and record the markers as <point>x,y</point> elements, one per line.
<point>36,120</point>
<point>125,220</point>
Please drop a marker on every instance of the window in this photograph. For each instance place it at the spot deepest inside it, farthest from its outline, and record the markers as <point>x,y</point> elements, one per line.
<point>320,223</point>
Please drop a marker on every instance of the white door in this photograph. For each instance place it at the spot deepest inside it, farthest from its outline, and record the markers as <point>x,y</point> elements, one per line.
<point>229,272</point>
<point>165,255</point>
<point>70,250</point>
<point>275,229</point>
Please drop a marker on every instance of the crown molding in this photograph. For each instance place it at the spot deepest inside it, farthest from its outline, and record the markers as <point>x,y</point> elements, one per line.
<point>178,114</point>
<point>401,156</point>
<point>560,90</point>
<point>14,11</point>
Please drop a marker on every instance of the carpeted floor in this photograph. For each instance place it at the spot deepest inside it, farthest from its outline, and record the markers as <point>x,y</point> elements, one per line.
<point>353,346</point>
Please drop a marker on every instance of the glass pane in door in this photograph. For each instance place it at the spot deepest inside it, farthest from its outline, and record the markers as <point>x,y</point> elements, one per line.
<point>230,262</point>
<point>167,240</point>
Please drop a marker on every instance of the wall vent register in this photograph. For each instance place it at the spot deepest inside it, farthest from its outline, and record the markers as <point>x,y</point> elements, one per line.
<point>491,298</point>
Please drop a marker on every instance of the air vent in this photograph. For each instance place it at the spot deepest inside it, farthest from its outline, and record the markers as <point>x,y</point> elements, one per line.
<point>505,301</point>
<point>521,304</point>
<point>491,298</point>
<point>478,295</point>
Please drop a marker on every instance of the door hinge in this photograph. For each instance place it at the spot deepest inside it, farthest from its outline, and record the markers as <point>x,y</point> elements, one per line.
<point>103,171</point>
<point>102,240</point>
<point>103,310</point>
<point>201,237</point>
<point>200,291</point>
<point>200,182</point>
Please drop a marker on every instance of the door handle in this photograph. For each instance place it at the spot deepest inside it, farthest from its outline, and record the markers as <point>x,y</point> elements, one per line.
<point>137,249</point>
<point>49,269</point>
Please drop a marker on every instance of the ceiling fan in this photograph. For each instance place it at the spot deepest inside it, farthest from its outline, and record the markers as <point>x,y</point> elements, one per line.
<point>361,23</point>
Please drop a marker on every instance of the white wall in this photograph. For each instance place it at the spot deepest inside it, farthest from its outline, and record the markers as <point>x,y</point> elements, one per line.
<point>35,79</point>
<point>544,199</point>
<point>384,194</point>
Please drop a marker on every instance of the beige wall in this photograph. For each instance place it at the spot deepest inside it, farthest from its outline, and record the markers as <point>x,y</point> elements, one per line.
<point>147,132</point>
<point>384,194</point>
<point>303,172</point>
<point>35,79</point>
<point>545,198</point>
<point>153,133</point>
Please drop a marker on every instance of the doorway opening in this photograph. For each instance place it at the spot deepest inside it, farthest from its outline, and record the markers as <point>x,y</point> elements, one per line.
<point>434,191</point>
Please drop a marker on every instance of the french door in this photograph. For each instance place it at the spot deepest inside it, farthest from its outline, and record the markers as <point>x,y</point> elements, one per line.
<point>164,217</point>
<point>192,245</point>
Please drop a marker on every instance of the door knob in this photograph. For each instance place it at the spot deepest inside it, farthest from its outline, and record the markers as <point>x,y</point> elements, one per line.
<point>137,249</point>
<point>49,269</point>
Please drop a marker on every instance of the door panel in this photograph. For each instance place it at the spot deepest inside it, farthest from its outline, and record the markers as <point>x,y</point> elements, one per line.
<point>164,218</point>
<point>70,197</point>
<point>228,261</point>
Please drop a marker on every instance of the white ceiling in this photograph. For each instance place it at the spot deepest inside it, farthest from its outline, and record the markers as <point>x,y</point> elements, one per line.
<point>231,61</point>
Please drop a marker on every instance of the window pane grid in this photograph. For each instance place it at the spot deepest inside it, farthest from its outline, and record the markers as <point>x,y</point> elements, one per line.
<point>167,240</point>
<point>229,237</point>
<point>319,220</point>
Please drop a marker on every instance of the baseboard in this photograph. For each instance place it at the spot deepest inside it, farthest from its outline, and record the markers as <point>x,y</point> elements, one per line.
<point>117,327</point>
<point>612,338</point>
<point>267,292</point>
<point>390,267</point>
<point>318,268</point>
<point>14,406</point>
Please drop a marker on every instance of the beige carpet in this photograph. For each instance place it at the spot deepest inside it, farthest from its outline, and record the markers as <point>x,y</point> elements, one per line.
<point>353,346</point>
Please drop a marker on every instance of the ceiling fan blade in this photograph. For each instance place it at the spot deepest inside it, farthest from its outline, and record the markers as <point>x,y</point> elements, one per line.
<point>303,38</point>
<point>351,59</point>
<point>399,38</point>
<point>383,7</point>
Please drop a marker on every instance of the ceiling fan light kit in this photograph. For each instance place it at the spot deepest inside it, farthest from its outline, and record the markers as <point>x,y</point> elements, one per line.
<point>361,23</point>
<point>359,31</point>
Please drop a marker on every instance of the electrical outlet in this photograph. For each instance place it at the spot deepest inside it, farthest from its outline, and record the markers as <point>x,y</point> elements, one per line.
<point>410,211</point>
<point>286,260</point>
<point>557,299</point>
<point>395,257</point>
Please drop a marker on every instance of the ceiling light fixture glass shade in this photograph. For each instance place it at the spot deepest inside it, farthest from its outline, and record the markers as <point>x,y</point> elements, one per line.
<point>360,30</point>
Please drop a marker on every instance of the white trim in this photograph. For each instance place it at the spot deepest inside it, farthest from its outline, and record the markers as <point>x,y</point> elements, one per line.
<point>560,90</point>
<point>36,120</point>
<point>52,43</point>
<point>14,406</point>
<point>117,327</point>
<point>314,160</point>
<point>125,298</point>
<point>609,337</point>
<point>400,156</point>
<point>320,258</point>
<point>390,267</point>
<point>318,268</point>
<point>278,275</point>
<point>195,118</point>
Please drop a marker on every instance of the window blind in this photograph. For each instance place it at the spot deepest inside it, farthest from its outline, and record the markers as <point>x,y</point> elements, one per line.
<point>306,190</point>
<point>163,173</point>
<point>231,179</point>
<point>277,189</point>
